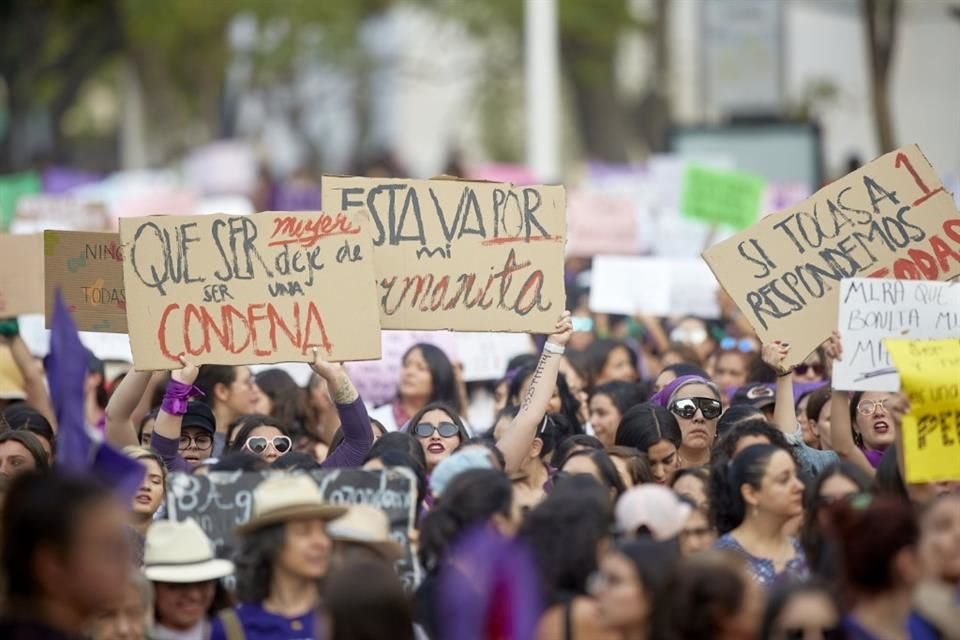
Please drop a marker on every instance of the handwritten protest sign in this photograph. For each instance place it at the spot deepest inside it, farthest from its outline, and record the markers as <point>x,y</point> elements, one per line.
<point>891,218</point>
<point>601,223</point>
<point>931,431</point>
<point>653,286</point>
<point>221,501</point>
<point>87,267</point>
<point>469,256</point>
<point>719,196</point>
<point>872,309</point>
<point>21,275</point>
<point>247,289</point>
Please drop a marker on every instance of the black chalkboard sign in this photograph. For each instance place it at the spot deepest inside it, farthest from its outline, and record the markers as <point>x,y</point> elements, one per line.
<point>220,501</point>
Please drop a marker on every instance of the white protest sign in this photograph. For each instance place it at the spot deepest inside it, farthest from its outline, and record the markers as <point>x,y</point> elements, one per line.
<point>653,286</point>
<point>872,309</point>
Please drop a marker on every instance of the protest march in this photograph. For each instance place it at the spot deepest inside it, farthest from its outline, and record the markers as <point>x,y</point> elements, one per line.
<point>284,356</point>
<point>590,464</point>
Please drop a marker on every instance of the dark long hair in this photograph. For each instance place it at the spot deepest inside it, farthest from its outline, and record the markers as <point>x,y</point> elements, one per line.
<point>360,588</point>
<point>443,381</point>
<point>780,598</point>
<point>447,409</point>
<point>599,352</point>
<point>608,472</point>
<point>727,506</point>
<point>819,549</point>
<point>472,498</point>
<point>246,424</point>
<point>623,395</point>
<point>210,376</point>
<point>645,425</point>
<point>287,398</point>
<point>256,554</point>
<point>31,443</point>
<point>41,510</point>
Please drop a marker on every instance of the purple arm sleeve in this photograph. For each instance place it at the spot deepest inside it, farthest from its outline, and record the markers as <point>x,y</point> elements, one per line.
<point>168,450</point>
<point>357,436</point>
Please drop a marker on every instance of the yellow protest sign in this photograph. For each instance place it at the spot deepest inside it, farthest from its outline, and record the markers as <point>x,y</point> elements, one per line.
<point>931,431</point>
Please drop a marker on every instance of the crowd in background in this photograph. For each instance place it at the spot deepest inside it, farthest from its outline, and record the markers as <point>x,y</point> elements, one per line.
<point>642,478</point>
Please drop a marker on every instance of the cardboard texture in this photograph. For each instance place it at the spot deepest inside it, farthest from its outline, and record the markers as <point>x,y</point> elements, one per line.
<point>931,430</point>
<point>601,223</point>
<point>871,310</point>
<point>891,218</point>
<point>469,256</point>
<point>21,277</point>
<point>88,267</point>
<point>717,196</point>
<point>249,289</point>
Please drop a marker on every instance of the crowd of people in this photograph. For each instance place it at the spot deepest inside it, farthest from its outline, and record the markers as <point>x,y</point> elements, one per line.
<point>642,478</point>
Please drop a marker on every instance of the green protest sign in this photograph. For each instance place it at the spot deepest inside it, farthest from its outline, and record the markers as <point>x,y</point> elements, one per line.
<point>11,188</point>
<point>717,196</point>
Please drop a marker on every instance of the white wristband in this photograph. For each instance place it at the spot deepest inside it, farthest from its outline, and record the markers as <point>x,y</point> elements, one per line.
<point>549,347</point>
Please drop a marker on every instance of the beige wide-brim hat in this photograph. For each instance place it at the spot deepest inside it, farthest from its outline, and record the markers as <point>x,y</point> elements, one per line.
<point>367,526</point>
<point>181,553</point>
<point>285,497</point>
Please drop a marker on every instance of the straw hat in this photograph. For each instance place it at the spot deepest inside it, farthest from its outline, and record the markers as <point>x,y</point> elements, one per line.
<point>367,526</point>
<point>281,498</point>
<point>180,552</point>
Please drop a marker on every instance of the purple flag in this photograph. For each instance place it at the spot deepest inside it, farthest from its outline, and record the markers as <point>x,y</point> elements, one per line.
<point>78,451</point>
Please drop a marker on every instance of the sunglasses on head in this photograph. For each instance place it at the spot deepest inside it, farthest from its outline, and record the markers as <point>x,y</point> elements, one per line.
<point>801,369</point>
<point>258,444</point>
<point>732,344</point>
<point>687,407</point>
<point>689,336</point>
<point>445,429</point>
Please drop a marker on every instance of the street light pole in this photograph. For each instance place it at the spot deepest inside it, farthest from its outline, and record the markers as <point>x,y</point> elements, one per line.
<point>542,59</point>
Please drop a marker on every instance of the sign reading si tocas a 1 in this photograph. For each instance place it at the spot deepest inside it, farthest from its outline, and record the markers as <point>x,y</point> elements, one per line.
<point>249,289</point>
<point>891,218</point>
<point>468,256</point>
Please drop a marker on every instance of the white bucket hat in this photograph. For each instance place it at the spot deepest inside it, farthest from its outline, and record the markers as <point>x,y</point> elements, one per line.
<point>180,552</point>
<point>367,526</point>
<point>281,498</point>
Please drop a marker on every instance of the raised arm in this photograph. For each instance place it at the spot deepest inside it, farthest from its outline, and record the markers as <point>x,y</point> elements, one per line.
<point>357,432</point>
<point>34,384</point>
<point>166,432</point>
<point>515,443</point>
<point>784,412</point>
<point>119,429</point>
<point>841,430</point>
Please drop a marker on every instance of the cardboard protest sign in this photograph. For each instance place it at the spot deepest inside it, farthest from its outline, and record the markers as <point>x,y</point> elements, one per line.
<point>21,275</point>
<point>872,309</point>
<point>601,223</point>
<point>653,286</point>
<point>931,431</point>
<point>891,218</point>
<point>87,267</point>
<point>220,501</point>
<point>719,196</point>
<point>37,213</point>
<point>468,256</point>
<point>249,289</point>
<point>12,188</point>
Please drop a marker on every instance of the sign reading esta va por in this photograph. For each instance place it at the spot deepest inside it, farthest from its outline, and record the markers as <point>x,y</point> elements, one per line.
<point>248,289</point>
<point>891,218</point>
<point>470,256</point>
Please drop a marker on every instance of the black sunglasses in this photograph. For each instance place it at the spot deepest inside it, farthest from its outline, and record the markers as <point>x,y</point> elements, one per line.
<point>827,633</point>
<point>445,429</point>
<point>801,369</point>
<point>687,407</point>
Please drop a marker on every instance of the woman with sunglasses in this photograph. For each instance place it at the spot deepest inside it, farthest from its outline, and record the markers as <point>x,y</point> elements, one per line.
<point>262,436</point>
<point>752,499</point>
<point>801,610</point>
<point>439,430</point>
<point>695,402</point>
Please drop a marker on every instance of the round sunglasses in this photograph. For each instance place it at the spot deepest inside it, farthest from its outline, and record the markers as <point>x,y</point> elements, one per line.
<point>687,408</point>
<point>258,444</point>
<point>445,429</point>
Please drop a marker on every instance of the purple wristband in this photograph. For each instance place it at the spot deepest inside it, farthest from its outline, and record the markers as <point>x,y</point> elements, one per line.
<point>176,397</point>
